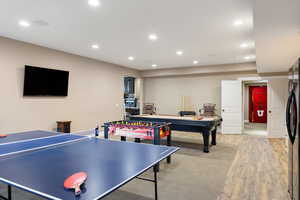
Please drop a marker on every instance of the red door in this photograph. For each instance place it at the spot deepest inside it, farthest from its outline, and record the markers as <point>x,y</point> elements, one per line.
<point>258,104</point>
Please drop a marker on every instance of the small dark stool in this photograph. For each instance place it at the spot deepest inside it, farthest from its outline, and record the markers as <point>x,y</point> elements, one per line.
<point>64,126</point>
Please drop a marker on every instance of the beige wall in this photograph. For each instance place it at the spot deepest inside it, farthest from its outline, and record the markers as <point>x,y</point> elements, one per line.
<point>95,89</point>
<point>167,92</point>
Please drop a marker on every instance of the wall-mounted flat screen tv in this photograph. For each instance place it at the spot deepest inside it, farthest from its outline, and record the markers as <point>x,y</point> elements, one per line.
<point>45,82</point>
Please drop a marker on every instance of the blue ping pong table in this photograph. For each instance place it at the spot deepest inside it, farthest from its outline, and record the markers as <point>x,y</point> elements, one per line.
<point>39,161</point>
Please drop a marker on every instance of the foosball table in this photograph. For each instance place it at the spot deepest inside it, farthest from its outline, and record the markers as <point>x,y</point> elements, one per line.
<point>139,130</point>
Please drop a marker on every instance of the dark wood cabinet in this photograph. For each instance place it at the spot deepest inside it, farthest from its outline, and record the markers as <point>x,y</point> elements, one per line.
<point>64,126</point>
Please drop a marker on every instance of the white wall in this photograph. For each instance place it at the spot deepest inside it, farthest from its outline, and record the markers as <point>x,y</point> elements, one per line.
<point>166,92</point>
<point>95,89</point>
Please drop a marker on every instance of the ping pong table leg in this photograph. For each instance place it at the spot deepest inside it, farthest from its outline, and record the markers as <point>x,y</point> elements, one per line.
<point>169,143</point>
<point>2,197</point>
<point>155,184</point>
<point>156,168</point>
<point>155,181</point>
<point>9,192</point>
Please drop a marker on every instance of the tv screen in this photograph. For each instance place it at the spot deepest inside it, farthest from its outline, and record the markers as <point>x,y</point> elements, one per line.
<point>45,82</point>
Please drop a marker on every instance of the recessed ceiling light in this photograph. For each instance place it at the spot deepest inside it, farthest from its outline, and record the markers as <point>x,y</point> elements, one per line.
<point>152,37</point>
<point>154,65</point>
<point>195,62</point>
<point>238,22</point>
<point>130,58</point>
<point>24,23</point>
<point>250,57</point>
<point>94,3</point>
<point>95,46</point>
<point>179,53</point>
<point>244,45</point>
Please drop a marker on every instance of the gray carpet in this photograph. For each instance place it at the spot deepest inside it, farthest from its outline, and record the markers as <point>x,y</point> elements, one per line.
<point>192,175</point>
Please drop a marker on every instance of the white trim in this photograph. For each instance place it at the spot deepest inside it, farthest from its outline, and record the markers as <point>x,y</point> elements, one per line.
<point>164,152</point>
<point>43,147</point>
<point>58,134</point>
<point>28,189</point>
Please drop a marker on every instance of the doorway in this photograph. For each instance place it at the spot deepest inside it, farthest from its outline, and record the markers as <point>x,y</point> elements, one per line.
<point>255,108</point>
<point>258,104</point>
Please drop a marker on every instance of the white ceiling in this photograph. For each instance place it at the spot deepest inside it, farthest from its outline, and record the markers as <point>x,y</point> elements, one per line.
<point>202,29</point>
<point>277,34</point>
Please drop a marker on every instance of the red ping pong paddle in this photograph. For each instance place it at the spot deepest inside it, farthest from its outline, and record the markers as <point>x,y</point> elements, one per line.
<point>75,181</point>
<point>3,135</point>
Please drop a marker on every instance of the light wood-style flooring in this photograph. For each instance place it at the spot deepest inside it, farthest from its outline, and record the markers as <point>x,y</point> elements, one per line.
<point>259,170</point>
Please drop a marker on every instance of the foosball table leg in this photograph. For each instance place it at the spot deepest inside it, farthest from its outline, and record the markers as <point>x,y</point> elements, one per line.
<point>137,140</point>
<point>156,141</point>
<point>106,130</point>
